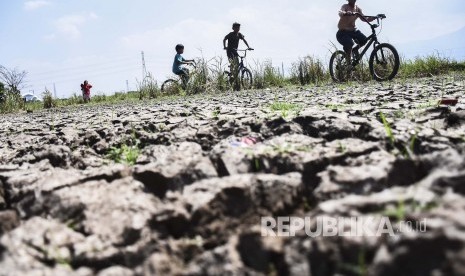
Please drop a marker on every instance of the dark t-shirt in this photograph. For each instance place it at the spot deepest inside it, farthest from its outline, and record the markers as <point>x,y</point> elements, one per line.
<point>233,40</point>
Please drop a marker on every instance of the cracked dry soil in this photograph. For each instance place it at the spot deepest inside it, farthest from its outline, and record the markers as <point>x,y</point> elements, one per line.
<point>210,166</point>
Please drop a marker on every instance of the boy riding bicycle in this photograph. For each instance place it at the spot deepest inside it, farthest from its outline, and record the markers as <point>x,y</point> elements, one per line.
<point>233,39</point>
<point>347,32</point>
<point>233,42</point>
<point>179,60</point>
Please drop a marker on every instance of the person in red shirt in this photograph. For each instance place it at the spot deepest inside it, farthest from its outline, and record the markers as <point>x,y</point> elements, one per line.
<point>85,88</point>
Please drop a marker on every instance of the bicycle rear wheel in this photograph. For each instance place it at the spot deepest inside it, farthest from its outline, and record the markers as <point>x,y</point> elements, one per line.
<point>246,79</point>
<point>338,67</point>
<point>170,86</point>
<point>384,62</point>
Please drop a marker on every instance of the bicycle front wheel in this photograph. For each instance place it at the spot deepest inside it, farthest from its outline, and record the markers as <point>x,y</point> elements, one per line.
<point>384,62</point>
<point>338,67</point>
<point>246,79</point>
<point>170,86</point>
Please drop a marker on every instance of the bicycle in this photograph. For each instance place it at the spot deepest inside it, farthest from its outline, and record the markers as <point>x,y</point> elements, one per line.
<point>173,84</point>
<point>384,60</point>
<point>246,79</point>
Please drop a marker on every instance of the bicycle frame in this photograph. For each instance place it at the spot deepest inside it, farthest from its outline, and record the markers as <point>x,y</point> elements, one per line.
<point>371,40</point>
<point>241,63</point>
<point>239,75</point>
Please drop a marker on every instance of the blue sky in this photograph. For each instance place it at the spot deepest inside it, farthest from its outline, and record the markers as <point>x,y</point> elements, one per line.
<point>63,42</point>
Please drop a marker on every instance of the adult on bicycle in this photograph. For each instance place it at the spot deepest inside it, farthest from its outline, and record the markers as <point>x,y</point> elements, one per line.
<point>179,60</point>
<point>233,39</point>
<point>348,33</point>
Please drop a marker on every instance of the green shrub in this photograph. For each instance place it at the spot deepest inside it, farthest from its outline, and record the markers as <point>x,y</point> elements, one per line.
<point>49,102</point>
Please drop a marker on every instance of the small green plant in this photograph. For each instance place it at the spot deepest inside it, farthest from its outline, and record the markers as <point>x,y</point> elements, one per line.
<point>216,112</point>
<point>430,103</point>
<point>282,148</point>
<point>412,143</point>
<point>257,164</point>
<point>52,121</point>
<point>162,127</point>
<point>399,212</point>
<point>388,128</point>
<point>341,147</point>
<point>402,209</point>
<point>399,114</point>
<point>285,108</point>
<point>287,148</point>
<point>306,204</point>
<point>124,154</point>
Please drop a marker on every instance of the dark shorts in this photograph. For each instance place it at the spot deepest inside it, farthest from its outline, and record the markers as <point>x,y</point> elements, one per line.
<point>184,72</point>
<point>232,54</point>
<point>347,38</point>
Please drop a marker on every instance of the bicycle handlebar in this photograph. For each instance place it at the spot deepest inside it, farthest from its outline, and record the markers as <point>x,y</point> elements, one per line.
<point>366,17</point>
<point>193,64</point>
<point>243,50</point>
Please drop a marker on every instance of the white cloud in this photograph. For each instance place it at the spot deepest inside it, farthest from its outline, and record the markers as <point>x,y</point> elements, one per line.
<point>70,26</point>
<point>36,4</point>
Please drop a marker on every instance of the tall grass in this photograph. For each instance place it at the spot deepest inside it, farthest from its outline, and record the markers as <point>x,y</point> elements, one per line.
<point>220,80</point>
<point>430,65</point>
<point>148,88</point>
<point>12,102</point>
<point>308,70</point>
<point>200,78</point>
<point>265,75</point>
<point>48,100</point>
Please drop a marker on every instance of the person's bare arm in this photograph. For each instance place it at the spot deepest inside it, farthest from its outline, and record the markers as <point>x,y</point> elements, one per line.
<point>188,61</point>
<point>363,17</point>
<point>224,43</point>
<point>245,41</point>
